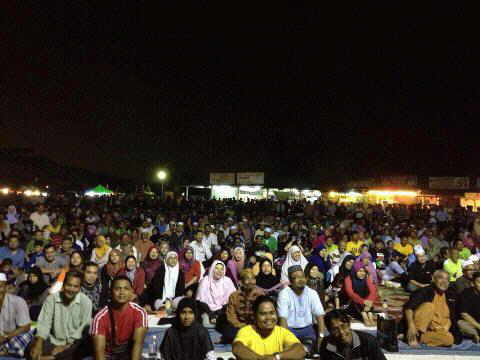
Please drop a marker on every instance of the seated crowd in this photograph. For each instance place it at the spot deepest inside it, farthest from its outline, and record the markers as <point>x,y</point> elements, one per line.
<point>278,280</point>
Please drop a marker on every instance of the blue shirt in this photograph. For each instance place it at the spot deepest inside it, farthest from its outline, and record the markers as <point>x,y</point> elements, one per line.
<point>18,259</point>
<point>299,311</point>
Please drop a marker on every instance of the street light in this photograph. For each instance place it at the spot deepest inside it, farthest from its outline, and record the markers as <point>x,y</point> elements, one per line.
<point>162,176</point>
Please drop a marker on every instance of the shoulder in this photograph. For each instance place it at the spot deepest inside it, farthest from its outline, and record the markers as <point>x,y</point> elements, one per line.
<point>101,314</point>
<point>83,299</point>
<point>246,331</point>
<point>16,300</point>
<point>137,309</point>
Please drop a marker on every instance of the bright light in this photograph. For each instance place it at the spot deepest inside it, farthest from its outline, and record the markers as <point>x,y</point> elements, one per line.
<point>250,188</point>
<point>28,192</point>
<point>44,194</point>
<point>393,193</point>
<point>162,175</point>
<point>90,193</point>
<point>5,191</point>
<point>353,193</point>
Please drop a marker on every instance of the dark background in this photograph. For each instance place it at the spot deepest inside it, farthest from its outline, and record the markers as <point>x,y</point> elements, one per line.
<point>308,95</point>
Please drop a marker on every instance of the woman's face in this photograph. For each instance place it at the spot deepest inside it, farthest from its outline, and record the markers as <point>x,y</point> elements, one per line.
<point>323,253</point>
<point>187,317</point>
<point>224,255</point>
<point>361,274</point>
<point>100,241</point>
<point>189,254</point>
<point>218,271</point>
<point>314,272</point>
<point>238,253</point>
<point>76,259</point>
<point>114,258</point>
<point>164,249</point>
<point>32,278</point>
<point>366,261</point>
<point>349,264</point>
<point>297,255</point>
<point>172,261</point>
<point>253,260</point>
<point>131,264</point>
<point>266,268</point>
<point>154,254</point>
<point>125,239</point>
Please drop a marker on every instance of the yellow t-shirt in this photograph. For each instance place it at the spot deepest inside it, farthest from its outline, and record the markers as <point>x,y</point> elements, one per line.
<point>278,341</point>
<point>404,250</point>
<point>354,248</point>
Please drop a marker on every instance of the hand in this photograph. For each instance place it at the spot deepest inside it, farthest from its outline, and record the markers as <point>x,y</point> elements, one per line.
<point>59,349</point>
<point>368,303</point>
<point>412,334</point>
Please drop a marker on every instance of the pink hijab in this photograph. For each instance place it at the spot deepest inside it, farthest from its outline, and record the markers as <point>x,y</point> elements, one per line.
<point>372,272</point>
<point>215,293</point>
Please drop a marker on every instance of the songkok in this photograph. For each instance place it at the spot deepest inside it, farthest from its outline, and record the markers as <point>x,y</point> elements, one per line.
<point>3,277</point>
<point>294,268</point>
<point>467,263</point>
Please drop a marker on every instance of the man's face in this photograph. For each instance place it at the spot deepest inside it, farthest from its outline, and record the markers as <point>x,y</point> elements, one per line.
<point>91,275</point>
<point>341,331</point>
<point>67,245</point>
<point>468,271</point>
<point>248,282</point>
<point>187,317</point>
<point>266,316</point>
<point>13,243</point>
<point>441,281</point>
<point>121,292</point>
<point>422,259</point>
<point>164,248</point>
<point>41,209</point>
<point>404,240</point>
<point>38,235</point>
<point>50,254</point>
<point>454,255</point>
<point>199,236</point>
<point>71,288</point>
<point>298,280</point>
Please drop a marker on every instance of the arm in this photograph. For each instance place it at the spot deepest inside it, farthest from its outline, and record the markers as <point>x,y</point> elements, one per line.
<point>17,331</point>
<point>99,347</point>
<point>350,293</point>
<point>282,303</point>
<point>138,338</point>
<point>232,313</point>
<point>411,329</point>
<point>244,353</point>
<point>468,318</point>
<point>294,352</point>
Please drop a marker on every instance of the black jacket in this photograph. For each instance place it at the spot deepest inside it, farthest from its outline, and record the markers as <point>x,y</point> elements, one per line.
<point>427,294</point>
<point>154,291</point>
<point>365,347</point>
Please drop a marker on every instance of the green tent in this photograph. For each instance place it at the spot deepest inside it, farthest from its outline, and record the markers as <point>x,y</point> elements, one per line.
<point>100,190</point>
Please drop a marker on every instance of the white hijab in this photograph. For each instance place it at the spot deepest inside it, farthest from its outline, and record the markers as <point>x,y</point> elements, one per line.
<point>289,261</point>
<point>171,277</point>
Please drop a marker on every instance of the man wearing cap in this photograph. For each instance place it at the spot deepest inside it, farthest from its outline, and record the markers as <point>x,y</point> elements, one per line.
<point>14,322</point>
<point>298,306</point>
<point>420,272</point>
<point>466,280</point>
<point>270,240</point>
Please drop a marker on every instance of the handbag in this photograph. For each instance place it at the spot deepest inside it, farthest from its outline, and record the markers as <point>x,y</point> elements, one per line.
<point>387,334</point>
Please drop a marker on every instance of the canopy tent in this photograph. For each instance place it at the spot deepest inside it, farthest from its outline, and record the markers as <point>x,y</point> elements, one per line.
<point>99,190</point>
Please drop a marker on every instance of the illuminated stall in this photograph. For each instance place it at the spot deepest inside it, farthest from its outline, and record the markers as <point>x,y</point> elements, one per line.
<point>346,197</point>
<point>471,199</point>
<point>385,197</point>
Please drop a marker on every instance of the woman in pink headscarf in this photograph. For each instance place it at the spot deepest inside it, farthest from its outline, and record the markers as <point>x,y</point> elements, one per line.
<point>215,289</point>
<point>365,260</point>
<point>236,264</point>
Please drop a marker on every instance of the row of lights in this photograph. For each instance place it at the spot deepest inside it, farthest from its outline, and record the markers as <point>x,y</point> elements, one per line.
<point>6,191</point>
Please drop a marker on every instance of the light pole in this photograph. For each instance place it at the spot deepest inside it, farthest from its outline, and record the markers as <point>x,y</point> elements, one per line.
<point>162,176</point>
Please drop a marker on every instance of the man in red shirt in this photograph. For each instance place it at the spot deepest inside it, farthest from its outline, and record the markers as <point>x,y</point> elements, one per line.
<point>119,329</point>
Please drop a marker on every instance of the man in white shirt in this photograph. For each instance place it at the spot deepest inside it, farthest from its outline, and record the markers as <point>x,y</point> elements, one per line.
<point>200,248</point>
<point>40,218</point>
<point>210,237</point>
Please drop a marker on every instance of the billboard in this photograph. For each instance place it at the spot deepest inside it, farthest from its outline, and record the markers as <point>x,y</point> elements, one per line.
<point>250,178</point>
<point>449,183</point>
<point>222,178</point>
<point>405,180</point>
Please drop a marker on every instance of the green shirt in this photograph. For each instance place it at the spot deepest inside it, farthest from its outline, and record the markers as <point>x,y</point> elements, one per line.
<point>453,269</point>
<point>63,324</point>
<point>271,243</point>
<point>465,254</point>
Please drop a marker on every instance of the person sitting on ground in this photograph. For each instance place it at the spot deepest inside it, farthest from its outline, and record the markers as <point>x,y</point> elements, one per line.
<point>76,262</point>
<point>239,308</point>
<point>431,314</point>
<point>93,287</point>
<point>167,284</point>
<point>316,281</point>
<point>265,339</point>
<point>112,268</point>
<point>336,290</point>
<point>136,276</point>
<point>34,255</point>
<point>344,343</point>
<point>365,260</point>
<point>267,279</point>
<point>395,270</point>
<point>191,269</point>
<point>63,323</point>
<point>236,264</point>
<point>101,251</point>
<point>118,330</point>
<point>354,246</point>
<point>453,265</point>
<point>298,306</point>
<point>404,247</point>
<point>14,252</point>
<point>34,291</point>
<point>469,324</point>
<point>321,259</point>
<point>14,322</point>
<point>51,263</point>
<point>463,252</point>
<point>294,257</point>
<point>215,289</point>
<point>362,293</point>
<point>466,280</point>
<point>420,272</point>
<point>187,339</point>
<point>126,247</point>
<point>151,264</point>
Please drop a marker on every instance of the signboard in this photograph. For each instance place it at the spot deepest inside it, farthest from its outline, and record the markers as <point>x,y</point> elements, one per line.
<point>222,178</point>
<point>449,183</point>
<point>406,180</point>
<point>251,178</point>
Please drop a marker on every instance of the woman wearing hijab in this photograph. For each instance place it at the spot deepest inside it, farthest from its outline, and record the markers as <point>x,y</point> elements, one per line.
<point>112,268</point>
<point>167,283</point>
<point>151,263</point>
<point>101,251</point>
<point>191,268</point>
<point>294,257</point>
<point>215,289</point>
<point>316,280</point>
<point>267,279</point>
<point>34,291</point>
<point>236,264</point>
<point>321,259</point>
<point>136,276</point>
<point>362,293</point>
<point>365,260</point>
<point>187,339</point>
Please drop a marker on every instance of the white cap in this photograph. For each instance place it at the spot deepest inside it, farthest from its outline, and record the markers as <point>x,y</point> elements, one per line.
<point>267,229</point>
<point>418,249</point>
<point>195,223</point>
<point>474,258</point>
<point>233,227</point>
<point>148,220</point>
<point>3,277</point>
<point>180,223</point>
<point>466,263</point>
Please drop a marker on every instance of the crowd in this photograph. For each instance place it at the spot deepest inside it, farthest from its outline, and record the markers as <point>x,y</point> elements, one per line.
<point>276,279</point>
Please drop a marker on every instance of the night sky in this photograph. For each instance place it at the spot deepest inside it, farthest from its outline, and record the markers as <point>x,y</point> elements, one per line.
<point>307,95</point>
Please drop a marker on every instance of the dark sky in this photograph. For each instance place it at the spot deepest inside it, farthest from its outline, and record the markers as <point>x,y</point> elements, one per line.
<point>304,94</point>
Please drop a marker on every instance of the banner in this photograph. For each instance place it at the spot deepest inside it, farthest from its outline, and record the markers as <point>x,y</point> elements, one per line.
<point>407,180</point>
<point>222,178</point>
<point>449,183</point>
<point>251,178</point>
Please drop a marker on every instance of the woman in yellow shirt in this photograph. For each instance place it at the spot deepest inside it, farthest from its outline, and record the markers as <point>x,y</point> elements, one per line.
<point>265,338</point>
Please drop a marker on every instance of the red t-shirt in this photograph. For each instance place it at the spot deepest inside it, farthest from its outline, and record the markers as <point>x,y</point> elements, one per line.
<point>126,322</point>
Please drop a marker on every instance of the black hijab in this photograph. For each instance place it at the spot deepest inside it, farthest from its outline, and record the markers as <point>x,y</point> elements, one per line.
<point>35,290</point>
<point>186,343</point>
<point>266,282</point>
<point>359,286</point>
